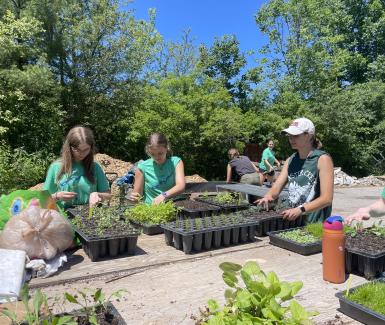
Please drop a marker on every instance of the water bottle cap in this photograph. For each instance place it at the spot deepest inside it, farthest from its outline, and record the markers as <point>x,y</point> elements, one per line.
<point>334,223</point>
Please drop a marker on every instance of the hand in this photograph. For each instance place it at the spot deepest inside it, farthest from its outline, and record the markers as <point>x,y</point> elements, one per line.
<point>359,215</point>
<point>64,196</point>
<point>291,214</point>
<point>159,199</point>
<point>265,201</point>
<point>94,199</point>
<point>134,196</point>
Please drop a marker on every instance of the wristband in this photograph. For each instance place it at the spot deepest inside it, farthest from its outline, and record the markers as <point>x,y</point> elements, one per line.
<point>164,194</point>
<point>302,208</point>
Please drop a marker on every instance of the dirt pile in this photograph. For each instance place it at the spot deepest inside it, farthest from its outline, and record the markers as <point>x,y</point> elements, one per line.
<point>343,179</point>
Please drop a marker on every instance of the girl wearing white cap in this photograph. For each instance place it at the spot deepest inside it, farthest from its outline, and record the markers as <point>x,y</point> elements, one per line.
<point>308,173</point>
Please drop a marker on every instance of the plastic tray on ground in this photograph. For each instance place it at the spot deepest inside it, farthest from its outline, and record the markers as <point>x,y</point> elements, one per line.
<point>225,207</point>
<point>109,246</point>
<point>203,209</point>
<point>148,229</point>
<point>365,264</point>
<point>303,249</point>
<point>357,311</point>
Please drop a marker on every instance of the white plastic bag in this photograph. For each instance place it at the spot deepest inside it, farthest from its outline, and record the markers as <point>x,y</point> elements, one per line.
<point>41,233</point>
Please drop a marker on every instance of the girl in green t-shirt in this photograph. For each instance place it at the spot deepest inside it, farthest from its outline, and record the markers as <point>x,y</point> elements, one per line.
<point>161,176</point>
<point>76,178</point>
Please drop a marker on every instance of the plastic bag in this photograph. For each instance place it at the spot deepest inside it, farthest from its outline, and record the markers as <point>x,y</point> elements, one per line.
<point>41,233</point>
<point>17,201</point>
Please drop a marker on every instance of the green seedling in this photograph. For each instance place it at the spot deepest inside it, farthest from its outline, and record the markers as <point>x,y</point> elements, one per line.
<point>152,214</point>
<point>198,223</point>
<point>261,298</point>
<point>299,236</point>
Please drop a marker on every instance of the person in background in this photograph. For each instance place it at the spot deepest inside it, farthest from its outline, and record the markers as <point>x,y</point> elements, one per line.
<point>308,173</point>
<point>376,209</point>
<point>246,171</point>
<point>268,160</point>
<point>161,176</point>
<point>75,178</point>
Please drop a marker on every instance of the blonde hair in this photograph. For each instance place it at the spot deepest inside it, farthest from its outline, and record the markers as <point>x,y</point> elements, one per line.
<point>158,139</point>
<point>76,136</point>
<point>233,153</point>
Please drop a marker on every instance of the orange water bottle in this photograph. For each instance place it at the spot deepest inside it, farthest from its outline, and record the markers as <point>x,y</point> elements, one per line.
<point>333,250</point>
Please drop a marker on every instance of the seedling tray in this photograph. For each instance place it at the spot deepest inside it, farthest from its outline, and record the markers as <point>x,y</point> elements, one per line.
<point>303,249</point>
<point>360,263</point>
<point>195,209</point>
<point>357,311</point>
<point>107,247</point>
<point>148,229</point>
<point>225,207</point>
<point>208,237</point>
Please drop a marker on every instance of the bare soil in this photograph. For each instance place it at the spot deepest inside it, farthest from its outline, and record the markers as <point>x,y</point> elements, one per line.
<point>366,242</point>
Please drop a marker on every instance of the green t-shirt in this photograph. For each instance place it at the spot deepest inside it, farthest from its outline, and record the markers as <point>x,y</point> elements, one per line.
<point>269,156</point>
<point>383,193</point>
<point>157,178</point>
<point>75,182</point>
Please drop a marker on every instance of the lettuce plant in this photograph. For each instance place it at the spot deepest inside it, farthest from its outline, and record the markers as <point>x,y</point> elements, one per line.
<point>261,299</point>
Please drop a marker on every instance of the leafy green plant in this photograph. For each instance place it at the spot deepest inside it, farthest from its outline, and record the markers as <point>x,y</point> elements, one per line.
<point>198,223</point>
<point>299,236</point>
<point>377,229</point>
<point>315,229</point>
<point>370,295</point>
<point>258,300</point>
<point>152,214</point>
<point>354,230</point>
<point>38,312</point>
<point>226,197</point>
<point>93,303</point>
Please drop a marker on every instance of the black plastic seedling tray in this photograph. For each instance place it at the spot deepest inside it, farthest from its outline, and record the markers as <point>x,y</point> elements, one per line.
<point>201,210</point>
<point>148,229</point>
<point>225,207</point>
<point>359,312</point>
<point>108,247</point>
<point>303,249</point>
<point>365,264</point>
<point>210,237</point>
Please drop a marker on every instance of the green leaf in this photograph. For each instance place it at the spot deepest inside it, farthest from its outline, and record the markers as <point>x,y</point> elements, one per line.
<point>98,294</point>
<point>10,314</point>
<point>229,294</point>
<point>252,268</point>
<point>272,277</point>
<point>246,278</point>
<point>71,298</point>
<point>243,299</point>
<point>285,293</point>
<point>230,267</point>
<point>93,320</point>
<point>295,287</point>
<point>66,320</point>
<point>258,288</point>
<point>213,305</point>
<point>298,312</point>
<point>230,279</point>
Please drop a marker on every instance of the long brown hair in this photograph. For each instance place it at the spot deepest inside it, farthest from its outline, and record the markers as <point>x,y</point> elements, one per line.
<point>158,139</point>
<point>76,136</point>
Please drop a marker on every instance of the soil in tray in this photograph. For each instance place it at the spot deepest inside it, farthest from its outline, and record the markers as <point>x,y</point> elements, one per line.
<point>103,224</point>
<point>212,200</point>
<point>366,242</point>
<point>194,205</point>
<point>257,214</point>
<point>104,317</point>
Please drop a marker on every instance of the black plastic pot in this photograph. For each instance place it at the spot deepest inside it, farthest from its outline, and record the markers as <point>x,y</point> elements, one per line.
<point>303,249</point>
<point>359,312</point>
<point>364,264</point>
<point>108,247</point>
<point>225,207</point>
<point>204,210</point>
<point>148,229</point>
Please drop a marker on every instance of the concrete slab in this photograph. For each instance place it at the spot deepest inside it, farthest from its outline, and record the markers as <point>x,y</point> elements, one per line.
<point>165,286</point>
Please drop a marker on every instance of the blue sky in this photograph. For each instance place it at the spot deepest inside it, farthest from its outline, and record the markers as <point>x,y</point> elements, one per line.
<point>206,19</point>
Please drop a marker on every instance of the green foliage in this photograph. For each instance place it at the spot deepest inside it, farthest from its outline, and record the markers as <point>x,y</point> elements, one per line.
<point>21,170</point>
<point>314,229</point>
<point>370,295</point>
<point>37,311</point>
<point>152,214</point>
<point>258,300</point>
<point>299,235</point>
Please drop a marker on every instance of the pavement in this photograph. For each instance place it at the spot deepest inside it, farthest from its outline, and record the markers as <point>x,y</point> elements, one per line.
<point>165,286</point>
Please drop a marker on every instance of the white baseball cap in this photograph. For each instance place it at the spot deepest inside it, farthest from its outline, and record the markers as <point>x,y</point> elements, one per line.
<point>299,126</point>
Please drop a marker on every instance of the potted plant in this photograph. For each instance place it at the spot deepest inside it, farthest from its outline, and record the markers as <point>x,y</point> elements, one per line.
<point>364,303</point>
<point>365,250</point>
<point>103,233</point>
<point>304,240</point>
<point>94,308</point>
<point>261,299</point>
<point>228,201</point>
<point>149,217</point>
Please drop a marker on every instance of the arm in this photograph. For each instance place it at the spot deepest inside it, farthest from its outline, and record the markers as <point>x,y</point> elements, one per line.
<point>53,189</point>
<point>326,176</point>
<point>137,192</point>
<point>377,209</point>
<point>103,191</point>
<point>276,188</point>
<point>228,174</point>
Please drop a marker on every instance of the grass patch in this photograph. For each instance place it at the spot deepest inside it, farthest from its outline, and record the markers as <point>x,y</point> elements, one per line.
<point>370,295</point>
